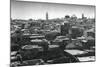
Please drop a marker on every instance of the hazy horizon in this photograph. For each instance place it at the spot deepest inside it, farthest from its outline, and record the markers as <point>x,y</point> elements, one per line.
<point>37,10</point>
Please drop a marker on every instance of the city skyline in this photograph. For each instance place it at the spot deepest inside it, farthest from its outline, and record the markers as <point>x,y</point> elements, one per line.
<point>37,10</point>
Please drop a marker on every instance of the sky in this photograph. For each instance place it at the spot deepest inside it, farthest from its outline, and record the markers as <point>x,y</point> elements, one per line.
<point>37,10</point>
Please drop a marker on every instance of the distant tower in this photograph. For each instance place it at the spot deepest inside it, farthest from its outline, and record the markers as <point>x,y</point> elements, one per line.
<point>82,16</point>
<point>47,16</point>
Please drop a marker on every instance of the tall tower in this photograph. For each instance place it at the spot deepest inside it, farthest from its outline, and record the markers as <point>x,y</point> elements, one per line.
<point>47,16</point>
<point>82,16</point>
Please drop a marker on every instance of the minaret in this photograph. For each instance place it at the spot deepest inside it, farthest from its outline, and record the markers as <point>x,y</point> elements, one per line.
<point>47,16</point>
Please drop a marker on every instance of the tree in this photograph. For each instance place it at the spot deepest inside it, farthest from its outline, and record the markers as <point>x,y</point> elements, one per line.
<point>30,19</point>
<point>67,16</point>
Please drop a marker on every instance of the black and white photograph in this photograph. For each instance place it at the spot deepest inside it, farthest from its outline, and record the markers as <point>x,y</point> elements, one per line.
<point>43,33</point>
